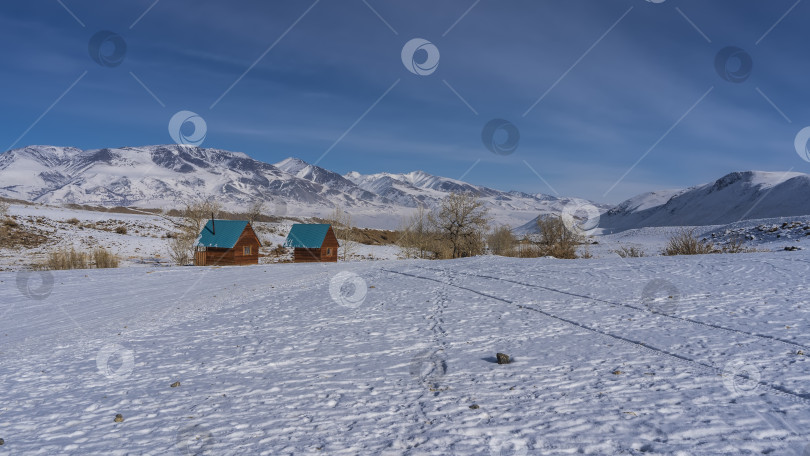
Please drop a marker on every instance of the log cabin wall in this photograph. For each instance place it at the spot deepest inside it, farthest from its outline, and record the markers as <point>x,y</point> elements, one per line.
<point>302,255</point>
<point>329,249</point>
<point>251,241</point>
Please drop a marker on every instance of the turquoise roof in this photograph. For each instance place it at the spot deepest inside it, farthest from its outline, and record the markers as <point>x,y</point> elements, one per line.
<point>308,236</point>
<point>227,233</point>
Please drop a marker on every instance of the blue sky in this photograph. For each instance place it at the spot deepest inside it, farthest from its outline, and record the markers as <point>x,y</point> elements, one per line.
<point>613,79</point>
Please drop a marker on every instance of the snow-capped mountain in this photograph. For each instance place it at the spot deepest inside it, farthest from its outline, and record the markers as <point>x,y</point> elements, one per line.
<point>734,197</point>
<point>417,187</point>
<point>153,176</point>
<point>170,175</point>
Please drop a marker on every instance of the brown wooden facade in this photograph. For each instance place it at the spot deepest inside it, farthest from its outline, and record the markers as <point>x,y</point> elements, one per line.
<point>244,252</point>
<point>327,252</point>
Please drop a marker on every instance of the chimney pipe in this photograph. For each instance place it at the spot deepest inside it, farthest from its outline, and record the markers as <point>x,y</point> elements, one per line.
<point>213,226</point>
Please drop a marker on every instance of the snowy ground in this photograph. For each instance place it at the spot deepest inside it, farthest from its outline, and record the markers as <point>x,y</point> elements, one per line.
<point>662,355</point>
<point>774,234</point>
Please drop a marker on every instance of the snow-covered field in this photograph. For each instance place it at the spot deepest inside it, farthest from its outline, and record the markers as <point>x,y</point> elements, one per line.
<point>661,355</point>
<point>144,243</point>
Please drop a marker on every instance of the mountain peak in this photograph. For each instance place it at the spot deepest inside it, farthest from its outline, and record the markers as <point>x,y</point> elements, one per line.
<point>734,197</point>
<point>291,165</point>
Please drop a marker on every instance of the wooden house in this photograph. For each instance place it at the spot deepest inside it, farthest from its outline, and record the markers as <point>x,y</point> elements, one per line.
<point>312,243</point>
<point>227,243</point>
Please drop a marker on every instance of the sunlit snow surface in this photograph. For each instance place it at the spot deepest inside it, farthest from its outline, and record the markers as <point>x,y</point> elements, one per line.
<point>660,355</point>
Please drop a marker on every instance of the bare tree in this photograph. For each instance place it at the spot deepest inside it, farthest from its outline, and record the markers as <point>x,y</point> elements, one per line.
<point>556,239</point>
<point>255,211</point>
<point>343,227</point>
<point>461,222</point>
<point>416,236</point>
<point>194,217</point>
<point>198,212</point>
<point>501,241</point>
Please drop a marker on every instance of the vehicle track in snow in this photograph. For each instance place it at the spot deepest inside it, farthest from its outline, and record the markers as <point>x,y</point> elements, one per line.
<point>793,345</point>
<point>638,345</point>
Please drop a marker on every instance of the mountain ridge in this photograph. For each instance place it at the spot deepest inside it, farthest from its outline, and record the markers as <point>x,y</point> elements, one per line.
<point>166,176</point>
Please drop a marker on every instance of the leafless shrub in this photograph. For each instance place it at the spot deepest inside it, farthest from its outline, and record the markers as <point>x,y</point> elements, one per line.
<point>181,248</point>
<point>121,229</point>
<point>527,249</point>
<point>415,236</point>
<point>104,259</point>
<point>629,252</point>
<point>72,221</point>
<point>501,241</point>
<point>4,207</point>
<point>686,242</point>
<point>64,259</point>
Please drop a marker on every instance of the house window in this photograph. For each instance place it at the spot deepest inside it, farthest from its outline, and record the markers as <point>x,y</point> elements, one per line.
<point>329,251</point>
<point>247,250</point>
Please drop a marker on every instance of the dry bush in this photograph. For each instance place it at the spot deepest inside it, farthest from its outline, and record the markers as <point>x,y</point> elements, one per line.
<point>72,221</point>
<point>460,224</point>
<point>685,242</point>
<point>10,223</point>
<point>279,250</point>
<point>527,249</point>
<point>629,252</point>
<point>181,248</point>
<point>64,259</point>
<point>4,207</point>
<point>121,229</point>
<point>104,259</point>
<point>501,241</point>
